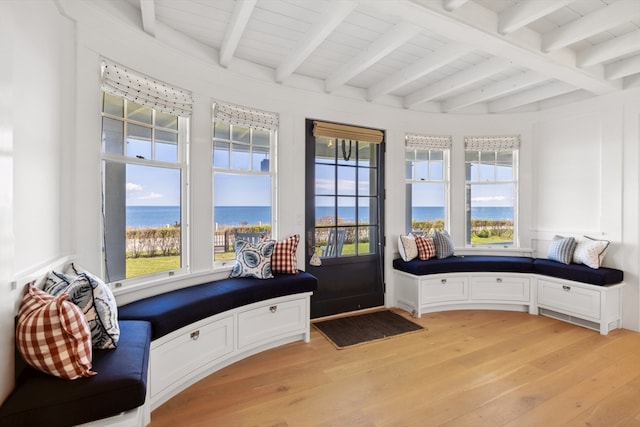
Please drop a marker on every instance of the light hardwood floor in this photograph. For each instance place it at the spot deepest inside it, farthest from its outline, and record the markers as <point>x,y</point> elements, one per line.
<point>469,368</point>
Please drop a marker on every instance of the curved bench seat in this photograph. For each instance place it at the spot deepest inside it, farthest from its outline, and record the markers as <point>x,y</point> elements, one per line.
<point>173,310</point>
<point>574,293</point>
<point>120,385</point>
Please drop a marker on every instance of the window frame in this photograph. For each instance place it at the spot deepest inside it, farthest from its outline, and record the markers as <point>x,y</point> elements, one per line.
<point>414,180</point>
<point>226,264</point>
<point>514,181</point>
<point>181,164</point>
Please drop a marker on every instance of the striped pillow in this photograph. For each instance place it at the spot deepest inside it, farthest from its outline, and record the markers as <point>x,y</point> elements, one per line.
<point>444,244</point>
<point>561,249</point>
<point>284,258</point>
<point>53,335</point>
<point>426,247</point>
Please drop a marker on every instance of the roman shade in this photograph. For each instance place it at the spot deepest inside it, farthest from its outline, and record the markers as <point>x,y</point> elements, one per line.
<point>121,81</point>
<point>492,143</point>
<point>351,133</point>
<point>428,142</point>
<point>232,114</point>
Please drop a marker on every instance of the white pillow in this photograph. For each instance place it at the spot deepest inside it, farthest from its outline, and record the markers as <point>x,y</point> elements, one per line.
<point>590,252</point>
<point>407,248</point>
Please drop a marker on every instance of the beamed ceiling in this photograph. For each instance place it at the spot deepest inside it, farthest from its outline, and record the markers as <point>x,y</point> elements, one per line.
<point>462,56</point>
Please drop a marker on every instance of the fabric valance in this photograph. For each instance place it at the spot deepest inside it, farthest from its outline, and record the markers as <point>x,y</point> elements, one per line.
<point>428,142</point>
<point>121,81</point>
<point>492,143</point>
<point>352,133</point>
<point>232,114</point>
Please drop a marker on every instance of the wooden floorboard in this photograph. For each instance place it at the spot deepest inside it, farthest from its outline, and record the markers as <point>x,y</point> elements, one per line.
<point>468,368</point>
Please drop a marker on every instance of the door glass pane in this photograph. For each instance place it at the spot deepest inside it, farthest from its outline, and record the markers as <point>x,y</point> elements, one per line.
<point>325,211</point>
<point>347,152</point>
<point>366,181</point>
<point>366,240</point>
<point>325,179</point>
<point>346,181</point>
<point>325,150</point>
<point>367,212</point>
<point>346,210</point>
<point>366,154</point>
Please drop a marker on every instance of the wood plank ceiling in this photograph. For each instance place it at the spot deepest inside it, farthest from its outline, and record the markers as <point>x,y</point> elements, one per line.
<point>463,56</point>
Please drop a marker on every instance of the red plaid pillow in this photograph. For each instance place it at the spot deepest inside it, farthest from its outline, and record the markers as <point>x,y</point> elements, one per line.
<point>53,335</point>
<point>284,258</point>
<point>426,247</point>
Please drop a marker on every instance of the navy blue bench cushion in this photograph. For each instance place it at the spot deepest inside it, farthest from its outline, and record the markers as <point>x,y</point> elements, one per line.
<point>170,311</point>
<point>578,272</point>
<point>40,399</point>
<point>466,264</point>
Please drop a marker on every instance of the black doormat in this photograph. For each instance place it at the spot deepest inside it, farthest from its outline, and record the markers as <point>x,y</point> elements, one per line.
<point>350,331</point>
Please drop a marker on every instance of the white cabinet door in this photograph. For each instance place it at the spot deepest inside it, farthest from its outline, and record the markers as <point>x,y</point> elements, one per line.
<point>191,350</point>
<point>500,288</point>
<point>270,320</point>
<point>451,288</point>
<point>570,299</point>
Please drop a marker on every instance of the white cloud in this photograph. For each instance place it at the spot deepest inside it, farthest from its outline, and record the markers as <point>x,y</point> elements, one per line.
<point>490,199</point>
<point>133,187</point>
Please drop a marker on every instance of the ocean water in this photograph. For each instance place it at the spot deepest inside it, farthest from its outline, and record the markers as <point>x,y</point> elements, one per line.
<point>160,216</point>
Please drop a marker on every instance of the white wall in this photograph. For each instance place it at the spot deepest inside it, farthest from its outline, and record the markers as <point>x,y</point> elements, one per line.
<point>586,182</point>
<point>37,111</point>
<point>55,200</point>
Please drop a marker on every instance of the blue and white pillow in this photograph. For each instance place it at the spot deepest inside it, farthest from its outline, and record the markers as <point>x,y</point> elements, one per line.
<point>561,249</point>
<point>444,244</point>
<point>253,260</point>
<point>590,252</point>
<point>94,298</point>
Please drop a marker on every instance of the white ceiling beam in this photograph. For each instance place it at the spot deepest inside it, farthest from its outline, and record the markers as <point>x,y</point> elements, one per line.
<point>497,89</point>
<point>235,28</point>
<point>385,44</point>
<point>333,15</point>
<point>529,96</point>
<point>603,19</point>
<point>148,11</point>
<point>452,5</point>
<point>619,69</point>
<point>464,78</point>
<point>609,50</point>
<point>632,81</point>
<point>525,12</point>
<point>521,47</point>
<point>441,57</point>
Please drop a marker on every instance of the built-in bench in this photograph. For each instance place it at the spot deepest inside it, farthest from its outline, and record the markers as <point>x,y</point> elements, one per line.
<point>574,292</point>
<point>167,342</point>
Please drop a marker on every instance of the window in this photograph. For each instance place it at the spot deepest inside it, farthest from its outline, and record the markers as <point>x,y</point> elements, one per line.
<point>491,190</point>
<point>243,176</point>
<point>143,169</point>
<point>427,182</point>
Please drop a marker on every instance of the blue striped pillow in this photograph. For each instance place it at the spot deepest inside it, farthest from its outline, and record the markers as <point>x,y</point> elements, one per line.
<point>561,249</point>
<point>444,244</point>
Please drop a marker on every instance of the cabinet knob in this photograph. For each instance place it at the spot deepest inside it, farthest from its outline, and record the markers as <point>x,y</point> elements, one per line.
<point>273,308</point>
<point>443,281</point>
<point>566,288</point>
<point>195,335</point>
<point>499,279</point>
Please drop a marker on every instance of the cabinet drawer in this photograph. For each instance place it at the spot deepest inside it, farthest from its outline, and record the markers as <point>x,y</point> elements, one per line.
<point>569,299</point>
<point>444,289</point>
<point>269,321</point>
<point>500,288</point>
<point>188,352</point>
